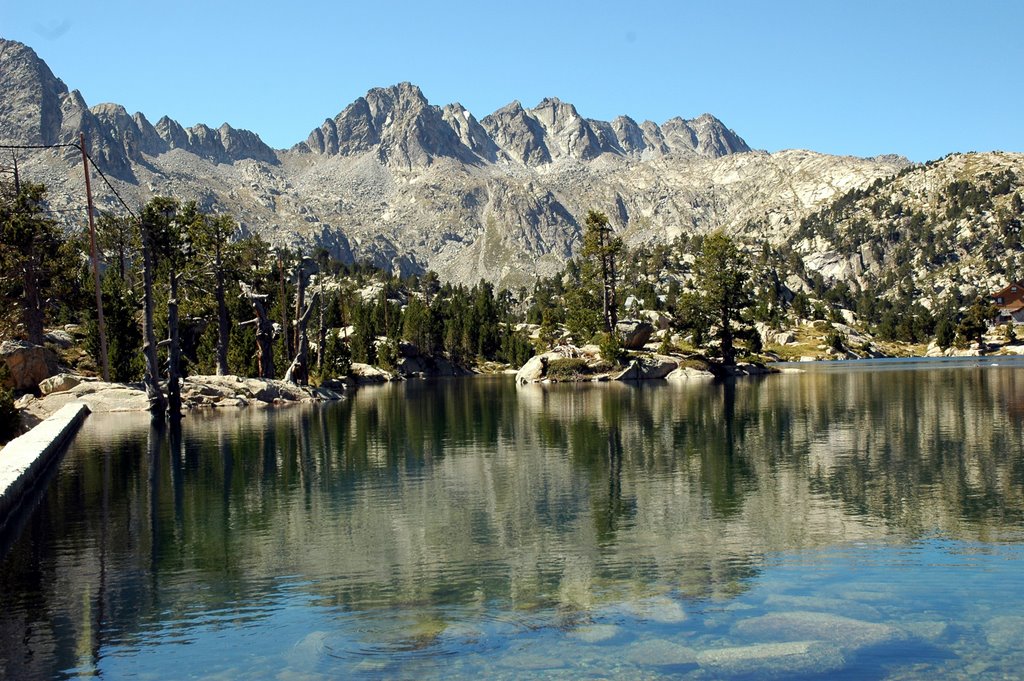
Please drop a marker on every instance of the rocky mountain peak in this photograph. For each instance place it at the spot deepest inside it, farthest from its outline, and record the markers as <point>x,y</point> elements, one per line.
<point>470,132</point>
<point>518,134</point>
<point>572,135</point>
<point>37,108</point>
<point>404,129</point>
<point>411,185</point>
<point>30,108</point>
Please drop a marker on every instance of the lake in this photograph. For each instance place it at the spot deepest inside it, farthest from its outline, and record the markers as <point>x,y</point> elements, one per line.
<point>840,524</point>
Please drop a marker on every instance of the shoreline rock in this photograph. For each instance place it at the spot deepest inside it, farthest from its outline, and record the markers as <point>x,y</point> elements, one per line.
<point>641,367</point>
<point>197,392</point>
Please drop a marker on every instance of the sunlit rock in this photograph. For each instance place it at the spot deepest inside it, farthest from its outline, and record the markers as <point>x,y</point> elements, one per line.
<point>773,660</point>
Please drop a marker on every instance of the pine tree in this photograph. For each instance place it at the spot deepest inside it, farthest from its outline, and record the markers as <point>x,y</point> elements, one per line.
<point>34,257</point>
<point>721,272</point>
<point>599,272</point>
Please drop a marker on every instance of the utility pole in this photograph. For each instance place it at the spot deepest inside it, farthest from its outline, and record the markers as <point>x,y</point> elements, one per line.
<point>95,262</point>
<point>17,179</point>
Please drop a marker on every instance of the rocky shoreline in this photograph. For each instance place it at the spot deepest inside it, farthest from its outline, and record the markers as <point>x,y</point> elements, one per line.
<point>197,392</point>
<point>569,363</point>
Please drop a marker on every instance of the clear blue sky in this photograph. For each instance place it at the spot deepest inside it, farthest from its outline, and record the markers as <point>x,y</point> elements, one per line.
<point>920,78</point>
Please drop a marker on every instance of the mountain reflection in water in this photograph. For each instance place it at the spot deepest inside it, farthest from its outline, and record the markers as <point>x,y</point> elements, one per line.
<point>412,509</point>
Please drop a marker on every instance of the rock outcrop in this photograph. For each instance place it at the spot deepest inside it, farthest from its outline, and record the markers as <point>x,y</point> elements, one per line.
<point>27,364</point>
<point>590,367</point>
<point>196,392</point>
<point>411,186</point>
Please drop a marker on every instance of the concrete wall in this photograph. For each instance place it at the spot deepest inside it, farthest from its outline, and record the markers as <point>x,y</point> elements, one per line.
<point>25,457</point>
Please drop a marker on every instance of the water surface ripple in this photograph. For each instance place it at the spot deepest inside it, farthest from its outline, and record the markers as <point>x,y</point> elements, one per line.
<point>832,524</point>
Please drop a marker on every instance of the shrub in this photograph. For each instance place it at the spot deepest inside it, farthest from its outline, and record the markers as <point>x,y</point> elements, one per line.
<point>387,354</point>
<point>337,360</point>
<point>611,350</point>
<point>566,368</point>
<point>835,340</point>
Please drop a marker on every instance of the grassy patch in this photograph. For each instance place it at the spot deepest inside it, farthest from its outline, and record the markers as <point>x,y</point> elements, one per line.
<point>567,369</point>
<point>698,363</point>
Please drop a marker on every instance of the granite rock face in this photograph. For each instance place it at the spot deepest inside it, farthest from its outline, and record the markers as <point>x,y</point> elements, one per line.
<point>412,186</point>
<point>27,364</point>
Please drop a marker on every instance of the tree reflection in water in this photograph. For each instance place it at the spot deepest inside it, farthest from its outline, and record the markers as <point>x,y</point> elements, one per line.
<point>429,501</point>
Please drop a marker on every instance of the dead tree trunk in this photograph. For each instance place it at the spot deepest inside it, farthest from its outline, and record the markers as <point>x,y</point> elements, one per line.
<point>223,321</point>
<point>174,354</point>
<point>264,331</point>
<point>33,302</point>
<point>285,327</point>
<point>298,372</point>
<point>321,337</point>
<point>152,377</point>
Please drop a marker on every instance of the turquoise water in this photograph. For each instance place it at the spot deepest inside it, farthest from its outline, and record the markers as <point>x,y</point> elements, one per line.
<point>839,524</point>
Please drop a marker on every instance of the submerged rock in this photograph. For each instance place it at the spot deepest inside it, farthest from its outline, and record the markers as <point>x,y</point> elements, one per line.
<point>595,633</point>
<point>806,625</point>
<point>1005,633</point>
<point>773,660</point>
<point>846,607</point>
<point>658,609</point>
<point>659,652</point>
<point>532,661</point>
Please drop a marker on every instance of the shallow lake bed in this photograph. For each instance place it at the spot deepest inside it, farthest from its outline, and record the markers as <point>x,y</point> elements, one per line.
<point>828,524</point>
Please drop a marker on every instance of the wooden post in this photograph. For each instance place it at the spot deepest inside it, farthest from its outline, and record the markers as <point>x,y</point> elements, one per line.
<point>95,262</point>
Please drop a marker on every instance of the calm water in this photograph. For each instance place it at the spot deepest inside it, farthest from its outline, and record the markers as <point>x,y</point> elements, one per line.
<point>841,524</point>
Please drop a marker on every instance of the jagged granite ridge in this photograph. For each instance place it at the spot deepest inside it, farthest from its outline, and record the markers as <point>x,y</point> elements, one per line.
<point>410,185</point>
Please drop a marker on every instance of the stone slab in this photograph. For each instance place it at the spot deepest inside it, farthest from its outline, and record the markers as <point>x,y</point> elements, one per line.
<point>25,457</point>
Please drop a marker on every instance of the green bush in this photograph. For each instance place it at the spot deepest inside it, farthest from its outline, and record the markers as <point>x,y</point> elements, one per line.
<point>611,349</point>
<point>566,369</point>
<point>337,357</point>
<point>835,340</point>
<point>387,354</point>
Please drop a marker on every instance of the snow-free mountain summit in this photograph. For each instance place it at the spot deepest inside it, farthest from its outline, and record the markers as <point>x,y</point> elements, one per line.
<point>414,186</point>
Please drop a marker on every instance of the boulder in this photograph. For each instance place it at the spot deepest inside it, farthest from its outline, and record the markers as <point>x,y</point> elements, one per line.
<point>335,385</point>
<point>412,365</point>
<point>58,383</point>
<point>365,373</point>
<point>535,368</point>
<point>633,333</point>
<point>28,364</point>
<point>60,338</point>
<point>661,320</point>
<point>772,660</point>
<point>630,373</point>
<point>688,373</point>
<point>846,632</point>
<point>647,368</point>
<point>785,338</point>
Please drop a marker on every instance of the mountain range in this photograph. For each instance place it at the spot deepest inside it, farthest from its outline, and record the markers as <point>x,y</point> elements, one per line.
<point>413,186</point>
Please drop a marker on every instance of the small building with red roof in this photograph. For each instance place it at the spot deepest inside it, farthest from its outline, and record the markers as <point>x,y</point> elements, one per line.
<point>1010,303</point>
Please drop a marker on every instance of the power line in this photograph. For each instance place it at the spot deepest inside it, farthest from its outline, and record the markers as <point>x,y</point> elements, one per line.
<point>73,145</point>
